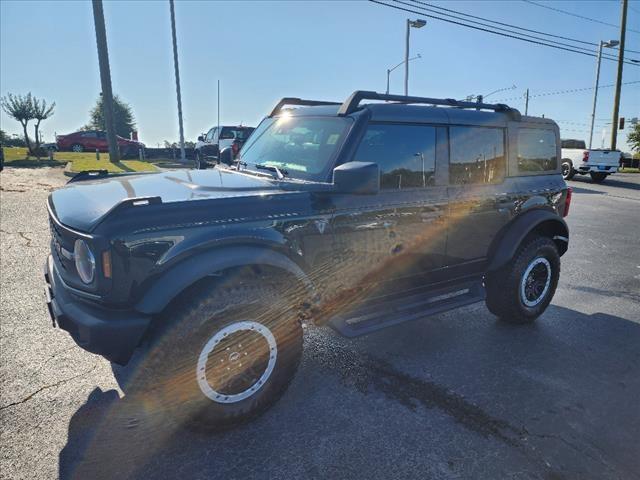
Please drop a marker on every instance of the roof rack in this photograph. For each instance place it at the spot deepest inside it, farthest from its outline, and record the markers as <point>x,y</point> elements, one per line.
<point>352,103</point>
<point>298,101</point>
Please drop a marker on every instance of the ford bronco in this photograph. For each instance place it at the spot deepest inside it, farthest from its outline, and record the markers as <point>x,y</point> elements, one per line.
<point>359,214</point>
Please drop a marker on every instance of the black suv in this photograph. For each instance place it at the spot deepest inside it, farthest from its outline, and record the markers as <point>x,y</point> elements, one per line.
<point>357,215</point>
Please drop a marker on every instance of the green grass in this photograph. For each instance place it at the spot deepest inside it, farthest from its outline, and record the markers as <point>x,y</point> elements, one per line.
<point>80,161</point>
<point>630,170</point>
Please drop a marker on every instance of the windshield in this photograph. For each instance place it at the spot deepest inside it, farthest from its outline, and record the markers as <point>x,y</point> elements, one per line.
<point>304,147</point>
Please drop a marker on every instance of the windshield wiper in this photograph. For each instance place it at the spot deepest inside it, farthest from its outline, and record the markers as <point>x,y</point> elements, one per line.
<point>278,173</point>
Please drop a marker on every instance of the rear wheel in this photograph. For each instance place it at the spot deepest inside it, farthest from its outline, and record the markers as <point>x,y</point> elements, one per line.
<point>567,170</point>
<point>76,147</point>
<point>521,290</point>
<point>597,177</point>
<point>223,357</point>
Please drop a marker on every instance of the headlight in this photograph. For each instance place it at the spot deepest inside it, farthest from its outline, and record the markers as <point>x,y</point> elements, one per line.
<point>85,261</point>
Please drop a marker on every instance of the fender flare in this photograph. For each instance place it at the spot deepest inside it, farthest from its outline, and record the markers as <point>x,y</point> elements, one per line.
<point>175,280</point>
<point>506,244</point>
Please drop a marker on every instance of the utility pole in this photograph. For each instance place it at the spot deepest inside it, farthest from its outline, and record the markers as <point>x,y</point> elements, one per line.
<point>526,102</point>
<point>616,101</point>
<point>183,157</point>
<point>218,110</point>
<point>105,80</point>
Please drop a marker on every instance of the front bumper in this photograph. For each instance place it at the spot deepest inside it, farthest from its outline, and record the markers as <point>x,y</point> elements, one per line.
<point>114,334</point>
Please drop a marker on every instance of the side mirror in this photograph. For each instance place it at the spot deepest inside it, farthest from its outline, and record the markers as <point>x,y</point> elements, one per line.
<point>361,178</point>
<point>200,138</point>
<point>226,156</point>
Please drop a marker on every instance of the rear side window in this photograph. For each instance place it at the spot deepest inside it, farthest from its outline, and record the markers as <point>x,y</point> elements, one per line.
<point>477,155</point>
<point>537,150</point>
<point>406,154</point>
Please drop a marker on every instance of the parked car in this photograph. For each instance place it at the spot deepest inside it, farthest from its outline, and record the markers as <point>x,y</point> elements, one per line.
<point>209,145</point>
<point>92,140</point>
<point>357,215</point>
<point>598,163</point>
<point>49,147</point>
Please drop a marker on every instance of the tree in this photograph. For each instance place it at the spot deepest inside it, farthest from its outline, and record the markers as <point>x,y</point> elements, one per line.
<point>123,117</point>
<point>20,108</point>
<point>41,112</point>
<point>633,138</point>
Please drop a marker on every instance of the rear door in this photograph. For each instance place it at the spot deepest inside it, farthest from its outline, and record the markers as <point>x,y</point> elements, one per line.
<point>396,238</point>
<point>477,198</point>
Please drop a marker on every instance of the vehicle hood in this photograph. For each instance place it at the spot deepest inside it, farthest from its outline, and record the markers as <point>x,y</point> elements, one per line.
<point>83,205</point>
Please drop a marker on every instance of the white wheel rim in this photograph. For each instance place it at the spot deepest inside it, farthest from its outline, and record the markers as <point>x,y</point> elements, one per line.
<point>524,282</point>
<point>201,368</point>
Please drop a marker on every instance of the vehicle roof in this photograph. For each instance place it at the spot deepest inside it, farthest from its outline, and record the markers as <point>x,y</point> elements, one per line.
<point>399,112</point>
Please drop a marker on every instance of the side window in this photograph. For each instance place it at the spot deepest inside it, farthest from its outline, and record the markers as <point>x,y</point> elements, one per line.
<point>477,155</point>
<point>210,134</point>
<point>102,134</point>
<point>406,154</point>
<point>536,150</point>
<point>89,134</point>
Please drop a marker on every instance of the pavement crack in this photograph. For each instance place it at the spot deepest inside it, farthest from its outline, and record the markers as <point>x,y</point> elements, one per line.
<point>24,236</point>
<point>46,387</point>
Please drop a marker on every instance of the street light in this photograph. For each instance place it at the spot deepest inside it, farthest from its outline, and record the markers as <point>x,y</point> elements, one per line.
<point>419,23</point>
<point>389,70</point>
<point>609,44</point>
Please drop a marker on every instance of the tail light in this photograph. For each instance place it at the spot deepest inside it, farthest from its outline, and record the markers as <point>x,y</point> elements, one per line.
<point>585,156</point>
<point>567,202</point>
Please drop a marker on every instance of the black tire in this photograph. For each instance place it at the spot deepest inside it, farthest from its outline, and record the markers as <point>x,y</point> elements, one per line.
<point>76,147</point>
<point>597,177</point>
<point>567,170</point>
<point>169,369</point>
<point>516,298</point>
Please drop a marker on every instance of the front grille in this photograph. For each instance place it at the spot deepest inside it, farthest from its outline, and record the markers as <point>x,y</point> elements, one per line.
<point>61,244</point>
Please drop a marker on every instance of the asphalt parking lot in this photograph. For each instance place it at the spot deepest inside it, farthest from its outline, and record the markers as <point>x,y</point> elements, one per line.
<point>457,395</point>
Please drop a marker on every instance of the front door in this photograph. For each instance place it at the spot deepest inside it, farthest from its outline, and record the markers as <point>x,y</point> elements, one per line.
<point>395,239</point>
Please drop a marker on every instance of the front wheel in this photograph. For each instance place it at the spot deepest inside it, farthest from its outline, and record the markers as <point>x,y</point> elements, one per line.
<point>521,291</point>
<point>567,170</point>
<point>221,359</point>
<point>597,177</point>
<point>77,148</point>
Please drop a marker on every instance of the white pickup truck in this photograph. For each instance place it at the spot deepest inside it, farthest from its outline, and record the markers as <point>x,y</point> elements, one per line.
<point>599,163</point>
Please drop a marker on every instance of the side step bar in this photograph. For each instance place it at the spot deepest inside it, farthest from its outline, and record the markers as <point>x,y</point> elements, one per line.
<point>376,315</point>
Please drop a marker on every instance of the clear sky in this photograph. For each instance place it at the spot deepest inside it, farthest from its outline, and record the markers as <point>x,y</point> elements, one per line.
<point>265,50</point>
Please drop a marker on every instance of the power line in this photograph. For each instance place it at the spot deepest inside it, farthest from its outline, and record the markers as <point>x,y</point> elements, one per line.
<point>543,42</point>
<point>576,15</point>
<point>461,16</point>
<point>562,92</point>
<point>511,25</point>
<point>504,24</point>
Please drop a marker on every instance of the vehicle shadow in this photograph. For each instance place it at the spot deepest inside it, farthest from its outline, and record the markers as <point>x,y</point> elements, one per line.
<point>550,392</point>
<point>612,181</point>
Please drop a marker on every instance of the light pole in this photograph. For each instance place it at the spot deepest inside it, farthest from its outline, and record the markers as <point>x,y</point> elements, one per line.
<point>419,23</point>
<point>609,44</point>
<point>389,70</point>
<point>183,158</point>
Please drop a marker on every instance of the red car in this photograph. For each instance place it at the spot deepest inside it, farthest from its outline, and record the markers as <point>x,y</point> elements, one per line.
<point>90,140</point>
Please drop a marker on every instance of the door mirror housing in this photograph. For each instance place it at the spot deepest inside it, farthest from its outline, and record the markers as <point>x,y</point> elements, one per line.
<point>200,138</point>
<point>361,178</point>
